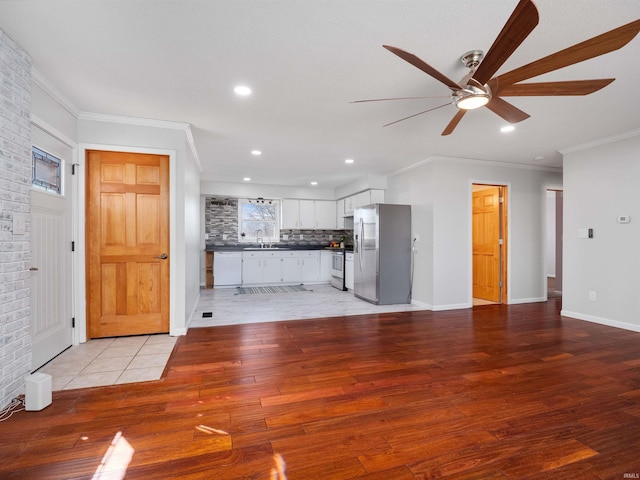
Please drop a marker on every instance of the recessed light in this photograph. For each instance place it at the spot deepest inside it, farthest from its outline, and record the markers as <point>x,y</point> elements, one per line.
<point>242,90</point>
<point>256,152</point>
<point>507,128</point>
<point>314,183</point>
<point>349,160</point>
<point>246,179</point>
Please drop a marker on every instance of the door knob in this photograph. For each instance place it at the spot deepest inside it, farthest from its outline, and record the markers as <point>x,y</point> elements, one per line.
<point>33,269</point>
<point>164,256</point>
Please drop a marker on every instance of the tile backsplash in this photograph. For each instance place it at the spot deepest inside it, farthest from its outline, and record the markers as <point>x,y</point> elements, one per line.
<point>221,226</point>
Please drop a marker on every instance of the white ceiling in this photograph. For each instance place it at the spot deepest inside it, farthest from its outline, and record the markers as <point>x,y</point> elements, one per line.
<point>305,61</point>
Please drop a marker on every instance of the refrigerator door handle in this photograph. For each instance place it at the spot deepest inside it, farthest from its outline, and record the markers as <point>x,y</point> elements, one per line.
<point>361,243</point>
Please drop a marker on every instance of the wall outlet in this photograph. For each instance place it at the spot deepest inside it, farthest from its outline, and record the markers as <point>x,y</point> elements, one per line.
<point>301,237</point>
<point>225,236</point>
<point>592,296</point>
<point>206,236</point>
<point>285,237</point>
<point>330,237</point>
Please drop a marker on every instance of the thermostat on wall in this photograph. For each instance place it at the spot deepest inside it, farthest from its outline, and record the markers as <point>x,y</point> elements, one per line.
<point>624,219</point>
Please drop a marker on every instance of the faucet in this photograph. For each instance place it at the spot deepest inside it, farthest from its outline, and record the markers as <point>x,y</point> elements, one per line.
<point>259,237</point>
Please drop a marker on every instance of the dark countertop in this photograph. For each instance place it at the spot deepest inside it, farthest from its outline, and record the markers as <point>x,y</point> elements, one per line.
<point>242,248</point>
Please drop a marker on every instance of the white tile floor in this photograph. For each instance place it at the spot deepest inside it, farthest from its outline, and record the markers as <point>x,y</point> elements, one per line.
<point>110,361</point>
<point>113,361</point>
<point>229,308</point>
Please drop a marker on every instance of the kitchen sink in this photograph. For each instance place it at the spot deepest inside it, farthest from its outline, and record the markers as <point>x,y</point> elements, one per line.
<point>266,248</point>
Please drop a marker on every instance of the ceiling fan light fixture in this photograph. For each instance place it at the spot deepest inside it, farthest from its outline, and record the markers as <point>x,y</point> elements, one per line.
<point>471,98</point>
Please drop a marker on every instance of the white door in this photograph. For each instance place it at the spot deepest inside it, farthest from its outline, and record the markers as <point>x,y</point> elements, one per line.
<point>51,267</point>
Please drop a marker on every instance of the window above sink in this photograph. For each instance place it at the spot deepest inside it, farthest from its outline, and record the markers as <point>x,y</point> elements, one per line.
<point>259,221</point>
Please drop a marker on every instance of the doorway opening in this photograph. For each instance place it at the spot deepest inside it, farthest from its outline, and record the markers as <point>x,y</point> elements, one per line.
<point>553,243</point>
<point>489,243</point>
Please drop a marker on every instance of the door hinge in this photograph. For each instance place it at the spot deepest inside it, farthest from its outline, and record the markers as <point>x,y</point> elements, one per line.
<point>73,322</point>
<point>501,199</point>
<point>73,168</point>
<point>500,284</point>
<point>73,246</point>
<point>500,242</point>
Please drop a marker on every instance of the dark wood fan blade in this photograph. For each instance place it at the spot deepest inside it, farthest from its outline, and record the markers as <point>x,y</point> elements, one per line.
<point>398,98</point>
<point>422,65</point>
<point>550,89</point>
<point>594,47</point>
<point>453,123</point>
<point>504,109</point>
<point>416,114</point>
<point>520,24</point>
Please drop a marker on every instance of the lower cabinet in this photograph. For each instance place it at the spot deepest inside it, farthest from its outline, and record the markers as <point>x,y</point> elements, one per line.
<point>290,266</point>
<point>348,271</point>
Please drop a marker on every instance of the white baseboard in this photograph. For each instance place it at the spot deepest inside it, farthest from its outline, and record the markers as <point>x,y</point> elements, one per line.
<point>452,306</point>
<point>602,321</point>
<point>516,301</point>
<point>420,304</point>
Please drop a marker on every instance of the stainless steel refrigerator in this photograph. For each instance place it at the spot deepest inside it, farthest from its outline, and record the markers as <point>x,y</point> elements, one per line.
<point>382,253</point>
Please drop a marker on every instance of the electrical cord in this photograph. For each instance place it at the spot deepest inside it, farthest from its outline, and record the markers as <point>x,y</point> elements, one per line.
<point>16,405</point>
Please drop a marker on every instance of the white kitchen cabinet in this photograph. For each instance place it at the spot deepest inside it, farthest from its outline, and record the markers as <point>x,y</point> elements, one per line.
<point>348,206</point>
<point>290,213</point>
<point>348,270</point>
<point>280,267</point>
<point>252,268</point>
<point>309,266</point>
<point>291,268</point>
<point>340,214</point>
<point>308,214</point>
<point>272,269</point>
<point>325,212</point>
<point>326,257</point>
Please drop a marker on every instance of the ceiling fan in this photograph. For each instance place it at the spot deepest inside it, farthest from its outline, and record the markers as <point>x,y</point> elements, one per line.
<point>477,88</point>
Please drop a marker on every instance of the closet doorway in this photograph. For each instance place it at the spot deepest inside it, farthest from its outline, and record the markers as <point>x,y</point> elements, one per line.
<point>489,234</point>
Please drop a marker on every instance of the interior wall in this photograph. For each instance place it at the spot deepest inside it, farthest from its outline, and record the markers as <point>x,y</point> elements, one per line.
<point>415,187</point>
<point>443,186</point>
<point>550,241</point>
<point>600,184</point>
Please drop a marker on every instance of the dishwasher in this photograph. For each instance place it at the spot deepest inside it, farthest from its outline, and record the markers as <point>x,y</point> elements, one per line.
<point>227,269</point>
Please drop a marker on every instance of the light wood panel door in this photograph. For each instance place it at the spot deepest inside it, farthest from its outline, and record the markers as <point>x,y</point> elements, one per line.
<point>127,243</point>
<point>486,244</point>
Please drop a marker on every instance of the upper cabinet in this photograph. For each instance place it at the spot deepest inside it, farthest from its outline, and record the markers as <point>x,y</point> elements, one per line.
<point>360,199</point>
<point>308,214</point>
<point>290,213</point>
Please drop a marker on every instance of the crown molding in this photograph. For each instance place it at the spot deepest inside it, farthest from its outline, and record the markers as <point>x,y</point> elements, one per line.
<point>147,122</point>
<point>51,130</point>
<point>471,161</point>
<point>600,141</point>
<point>53,92</point>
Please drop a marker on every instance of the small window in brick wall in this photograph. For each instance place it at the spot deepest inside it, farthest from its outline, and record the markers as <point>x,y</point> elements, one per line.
<point>46,171</point>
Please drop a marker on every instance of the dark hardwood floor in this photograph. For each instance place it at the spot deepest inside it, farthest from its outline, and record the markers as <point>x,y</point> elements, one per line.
<point>494,392</point>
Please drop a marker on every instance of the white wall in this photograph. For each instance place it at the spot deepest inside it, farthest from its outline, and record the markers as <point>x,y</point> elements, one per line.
<point>15,219</point>
<point>96,131</point>
<point>601,183</point>
<point>550,241</point>
<point>440,191</point>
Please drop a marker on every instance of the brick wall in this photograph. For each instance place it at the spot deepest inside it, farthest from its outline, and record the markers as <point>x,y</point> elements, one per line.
<point>15,181</point>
